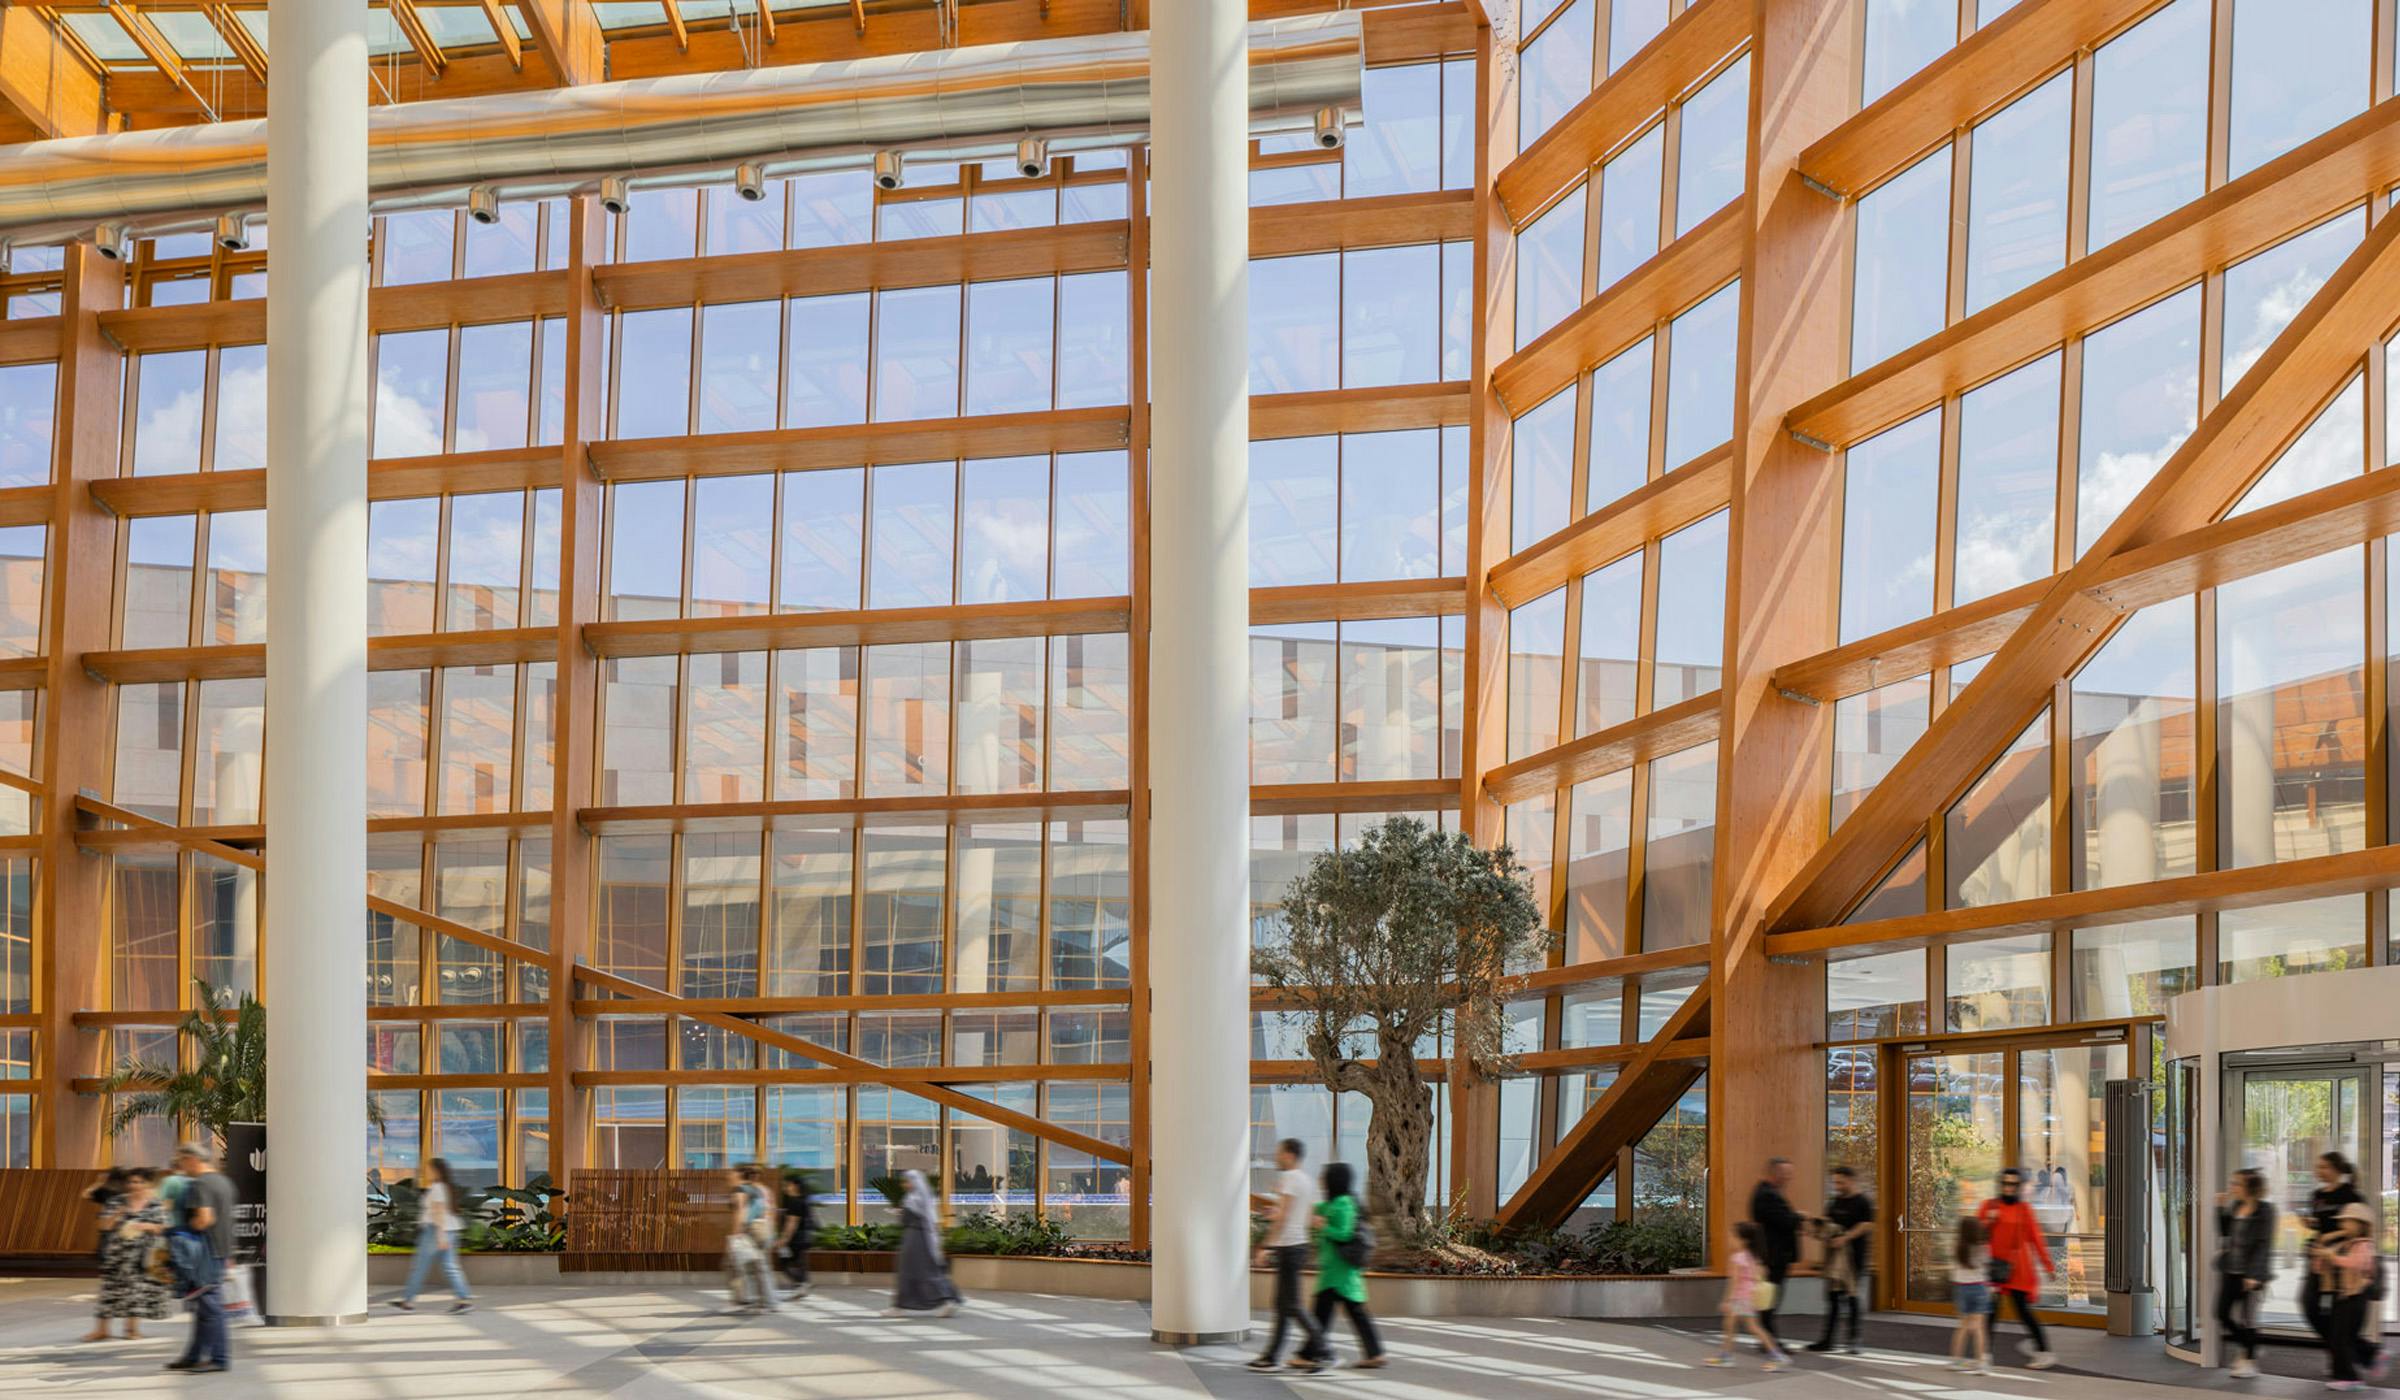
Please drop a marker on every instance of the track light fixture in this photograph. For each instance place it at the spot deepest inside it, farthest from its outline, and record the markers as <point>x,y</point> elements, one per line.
<point>750,181</point>
<point>113,242</point>
<point>1330,132</point>
<point>890,170</point>
<point>615,195</point>
<point>1033,157</point>
<point>483,205</point>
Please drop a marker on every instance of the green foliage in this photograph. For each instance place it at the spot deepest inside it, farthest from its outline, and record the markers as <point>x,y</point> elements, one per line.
<point>1387,945</point>
<point>498,1220</point>
<point>227,1082</point>
<point>984,1233</point>
<point>864,1238</point>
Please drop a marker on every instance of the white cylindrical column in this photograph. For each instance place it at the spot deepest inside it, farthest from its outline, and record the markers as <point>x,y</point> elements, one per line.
<point>317,662</point>
<point>1199,672</point>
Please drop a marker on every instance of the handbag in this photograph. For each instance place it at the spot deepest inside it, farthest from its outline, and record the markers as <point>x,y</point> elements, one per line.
<point>1762,1295</point>
<point>1999,1271</point>
<point>1359,1248</point>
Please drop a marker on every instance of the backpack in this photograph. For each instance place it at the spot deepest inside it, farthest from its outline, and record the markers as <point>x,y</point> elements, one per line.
<point>1359,1248</point>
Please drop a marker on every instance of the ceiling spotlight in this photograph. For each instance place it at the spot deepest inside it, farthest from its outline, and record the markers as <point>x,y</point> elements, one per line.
<point>113,242</point>
<point>615,195</point>
<point>889,173</point>
<point>750,181</point>
<point>483,205</point>
<point>1329,128</point>
<point>1033,158</point>
<point>233,232</point>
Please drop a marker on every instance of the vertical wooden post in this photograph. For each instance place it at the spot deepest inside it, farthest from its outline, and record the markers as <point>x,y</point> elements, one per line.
<point>1772,762</point>
<point>71,935</point>
<point>575,714</point>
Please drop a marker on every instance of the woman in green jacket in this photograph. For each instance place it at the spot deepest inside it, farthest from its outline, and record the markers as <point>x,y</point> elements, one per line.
<point>1339,1280</point>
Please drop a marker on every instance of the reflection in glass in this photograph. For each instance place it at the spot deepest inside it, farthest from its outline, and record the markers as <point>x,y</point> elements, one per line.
<point>1891,487</point>
<point>1999,831</point>
<point>1679,849</point>
<point>2017,194</point>
<point>2007,481</point>
<point>2291,720</point>
<point>2149,120</point>
<point>2132,719</point>
<point>1690,651</point>
<point>2297,70</point>
<point>2141,399</point>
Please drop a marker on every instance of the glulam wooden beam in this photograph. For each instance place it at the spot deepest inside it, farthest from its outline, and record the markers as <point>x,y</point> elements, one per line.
<point>1357,602</point>
<point>693,636</point>
<point>1692,45</point>
<point>1620,746</point>
<point>412,28</point>
<point>568,35</point>
<point>2237,441</point>
<point>859,267</point>
<point>1992,67</point>
<point>2295,191</point>
<point>1651,511</point>
<point>414,652</point>
<point>519,296</point>
<point>42,83</point>
<point>863,444</point>
<point>496,15</point>
<point>388,479</point>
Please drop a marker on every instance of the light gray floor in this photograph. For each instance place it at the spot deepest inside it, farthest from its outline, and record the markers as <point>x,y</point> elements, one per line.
<point>677,1342</point>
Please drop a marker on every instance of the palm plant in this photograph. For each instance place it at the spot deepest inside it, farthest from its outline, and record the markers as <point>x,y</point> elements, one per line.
<point>227,1082</point>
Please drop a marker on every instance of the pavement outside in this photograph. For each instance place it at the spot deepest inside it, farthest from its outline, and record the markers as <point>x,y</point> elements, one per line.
<point>642,1343</point>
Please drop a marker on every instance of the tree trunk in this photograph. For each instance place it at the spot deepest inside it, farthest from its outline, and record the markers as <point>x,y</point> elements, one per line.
<point>1399,1140</point>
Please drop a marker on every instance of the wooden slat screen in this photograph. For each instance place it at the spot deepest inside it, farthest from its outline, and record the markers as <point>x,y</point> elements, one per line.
<point>43,1216</point>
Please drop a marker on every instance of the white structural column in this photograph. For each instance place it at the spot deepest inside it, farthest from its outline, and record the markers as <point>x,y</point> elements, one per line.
<point>1199,676</point>
<point>317,661</point>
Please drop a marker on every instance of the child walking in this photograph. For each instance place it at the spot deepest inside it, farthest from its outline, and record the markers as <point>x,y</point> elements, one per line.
<point>1971,1290</point>
<point>1747,1292</point>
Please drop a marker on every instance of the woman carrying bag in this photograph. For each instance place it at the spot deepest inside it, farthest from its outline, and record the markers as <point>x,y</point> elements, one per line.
<point>2020,1260</point>
<point>1343,1248</point>
<point>131,1228</point>
<point>2245,1264</point>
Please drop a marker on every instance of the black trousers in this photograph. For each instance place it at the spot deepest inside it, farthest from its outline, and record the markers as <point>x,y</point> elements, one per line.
<point>1370,1346</point>
<point>794,1258</point>
<point>1289,1260</point>
<point>1838,1300</point>
<point>2023,1303</point>
<point>1766,1316</point>
<point>2339,1321</point>
<point>2235,1309</point>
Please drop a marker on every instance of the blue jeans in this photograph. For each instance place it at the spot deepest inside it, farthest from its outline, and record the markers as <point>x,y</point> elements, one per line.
<point>433,1243</point>
<point>207,1346</point>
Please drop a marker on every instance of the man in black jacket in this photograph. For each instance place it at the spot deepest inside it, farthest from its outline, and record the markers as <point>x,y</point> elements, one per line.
<point>1771,1210</point>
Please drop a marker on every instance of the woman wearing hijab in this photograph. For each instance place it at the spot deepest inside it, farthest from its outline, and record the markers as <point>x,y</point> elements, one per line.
<point>921,1275</point>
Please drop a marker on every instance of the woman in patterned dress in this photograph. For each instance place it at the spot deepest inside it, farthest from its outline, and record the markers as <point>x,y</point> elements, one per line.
<point>126,1288</point>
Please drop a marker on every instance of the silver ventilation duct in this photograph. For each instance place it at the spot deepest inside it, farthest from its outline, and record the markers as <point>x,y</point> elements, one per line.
<point>1083,93</point>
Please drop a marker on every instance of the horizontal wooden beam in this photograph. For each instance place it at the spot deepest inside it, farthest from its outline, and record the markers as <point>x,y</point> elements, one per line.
<point>1357,602</point>
<point>1620,746</point>
<point>26,505</point>
<point>1314,414</point>
<point>1991,68</point>
<point>1552,1062</point>
<point>669,1005</point>
<point>869,444</point>
<point>2237,442</point>
<point>931,809</point>
<point>30,339</point>
<point>912,1079</point>
<point>519,296</point>
<point>1676,277</point>
<point>859,267</point>
<point>1310,799</point>
<point>1633,967</point>
<point>1378,221</point>
<point>388,479</point>
<point>2251,887</point>
<point>1692,45</point>
<point>692,636</point>
<point>2295,191</point>
<point>412,652</point>
<point>1653,510</point>
<point>2303,527</point>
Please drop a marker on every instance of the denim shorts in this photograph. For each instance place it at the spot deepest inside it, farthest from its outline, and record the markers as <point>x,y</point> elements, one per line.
<point>1973,1299</point>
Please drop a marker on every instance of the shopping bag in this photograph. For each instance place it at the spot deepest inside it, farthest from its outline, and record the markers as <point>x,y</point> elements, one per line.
<point>241,1304</point>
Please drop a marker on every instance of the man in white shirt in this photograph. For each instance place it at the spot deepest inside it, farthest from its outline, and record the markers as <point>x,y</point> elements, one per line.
<point>1286,1245</point>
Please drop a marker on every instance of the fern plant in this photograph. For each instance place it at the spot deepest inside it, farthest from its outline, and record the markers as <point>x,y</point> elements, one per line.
<point>227,1082</point>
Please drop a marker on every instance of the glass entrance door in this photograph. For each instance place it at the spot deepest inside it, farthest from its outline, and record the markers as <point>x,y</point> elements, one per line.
<point>2037,1107</point>
<point>2287,1118</point>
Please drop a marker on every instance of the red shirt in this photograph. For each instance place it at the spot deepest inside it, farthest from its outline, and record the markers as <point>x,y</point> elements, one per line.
<point>2016,1238</point>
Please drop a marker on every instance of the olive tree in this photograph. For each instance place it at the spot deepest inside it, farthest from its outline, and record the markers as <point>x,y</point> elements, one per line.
<point>1388,946</point>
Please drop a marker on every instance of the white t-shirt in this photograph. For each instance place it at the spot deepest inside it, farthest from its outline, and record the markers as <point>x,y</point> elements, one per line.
<point>434,1207</point>
<point>1302,1194</point>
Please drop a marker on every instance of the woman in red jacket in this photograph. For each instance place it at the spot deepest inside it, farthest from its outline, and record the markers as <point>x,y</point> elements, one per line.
<point>2017,1250</point>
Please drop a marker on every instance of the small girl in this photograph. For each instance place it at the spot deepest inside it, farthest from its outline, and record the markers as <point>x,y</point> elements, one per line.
<point>1747,1289</point>
<point>1971,1289</point>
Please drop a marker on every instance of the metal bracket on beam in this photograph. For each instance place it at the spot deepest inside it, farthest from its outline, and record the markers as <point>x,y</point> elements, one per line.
<point>1822,188</point>
<point>1789,959</point>
<point>1806,441</point>
<point>1799,697</point>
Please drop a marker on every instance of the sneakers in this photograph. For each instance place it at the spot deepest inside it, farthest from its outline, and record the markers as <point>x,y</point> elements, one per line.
<point>1854,1349</point>
<point>1722,1358</point>
<point>1776,1361</point>
<point>404,1305</point>
<point>463,1305</point>
<point>1962,1363</point>
<point>2341,1385</point>
<point>946,1310</point>
<point>2043,1360</point>
<point>1370,1363</point>
<point>1825,1345</point>
<point>1305,1364</point>
<point>2027,1349</point>
<point>1264,1363</point>
<point>2243,1369</point>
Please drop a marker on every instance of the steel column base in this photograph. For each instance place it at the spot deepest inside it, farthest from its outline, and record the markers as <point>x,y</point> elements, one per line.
<point>1198,1339</point>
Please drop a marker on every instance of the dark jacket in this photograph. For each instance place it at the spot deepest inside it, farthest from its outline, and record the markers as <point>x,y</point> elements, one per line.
<point>2325,1206</point>
<point>1780,1224</point>
<point>2246,1244</point>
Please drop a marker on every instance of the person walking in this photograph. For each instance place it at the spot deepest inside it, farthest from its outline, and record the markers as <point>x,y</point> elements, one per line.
<point>2020,1260</point>
<point>1343,1247</point>
<point>437,1241</point>
<point>1747,1294</point>
<point>921,1274</point>
<point>1971,1294</point>
<point>797,1230</point>
<point>1285,1247</point>
<point>130,1229</point>
<point>749,1239</point>
<point>1779,1234</point>
<point>1851,1215</point>
<point>2336,1191</point>
<point>205,1211</point>
<point>2344,1260</point>
<point>2245,1263</point>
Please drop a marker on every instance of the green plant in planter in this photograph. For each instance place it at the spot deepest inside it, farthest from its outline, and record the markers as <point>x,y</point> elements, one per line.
<point>986,1233</point>
<point>227,1082</point>
<point>498,1219</point>
<point>859,1238</point>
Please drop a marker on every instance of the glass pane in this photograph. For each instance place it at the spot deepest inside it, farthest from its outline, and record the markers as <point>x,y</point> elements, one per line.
<point>2007,481</point>
<point>2062,1096</point>
<point>2291,728</point>
<point>824,539</point>
<point>1891,488</point>
<point>1955,1136</point>
<point>2132,712</point>
<point>1999,832</point>
<point>2141,399</point>
<point>2017,194</point>
<point>1714,148</point>
<point>2297,70</point>
<point>2149,120</point>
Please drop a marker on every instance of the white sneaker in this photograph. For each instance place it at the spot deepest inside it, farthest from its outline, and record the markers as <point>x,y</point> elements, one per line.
<point>2027,1349</point>
<point>946,1310</point>
<point>2043,1360</point>
<point>895,1312</point>
<point>1962,1363</point>
<point>2243,1369</point>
